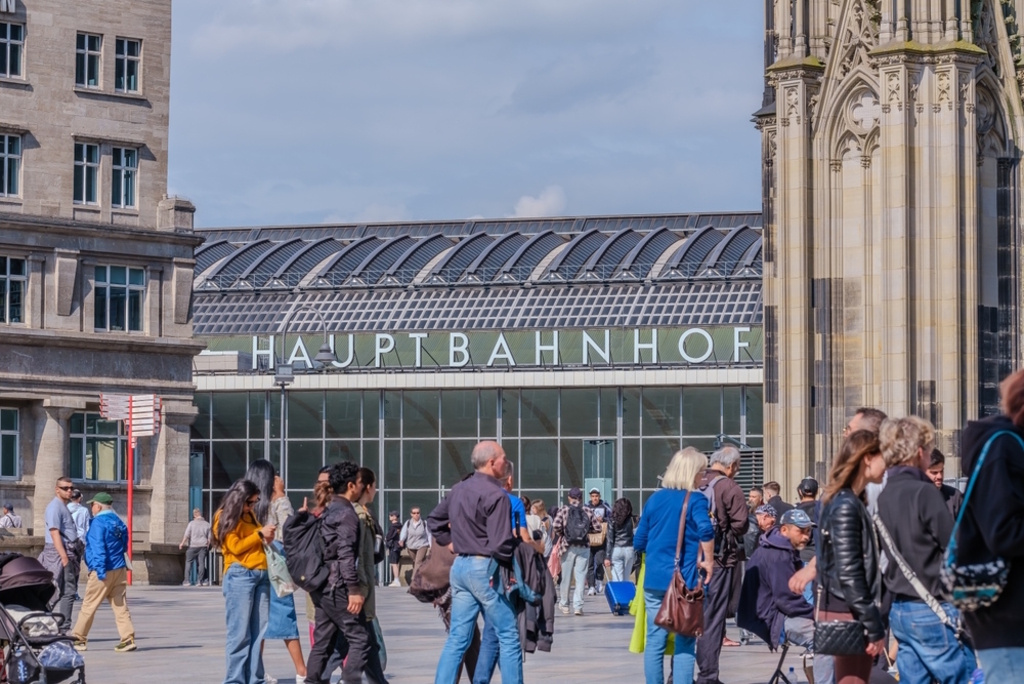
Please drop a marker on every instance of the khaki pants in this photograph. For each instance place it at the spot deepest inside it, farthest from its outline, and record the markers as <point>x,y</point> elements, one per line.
<point>112,589</point>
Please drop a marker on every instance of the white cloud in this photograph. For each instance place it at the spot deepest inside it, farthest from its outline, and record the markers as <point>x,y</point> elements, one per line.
<point>550,202</point>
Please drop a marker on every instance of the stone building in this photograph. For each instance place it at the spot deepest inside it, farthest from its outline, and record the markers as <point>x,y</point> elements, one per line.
<point>891,137</point>
<point>95,260</point>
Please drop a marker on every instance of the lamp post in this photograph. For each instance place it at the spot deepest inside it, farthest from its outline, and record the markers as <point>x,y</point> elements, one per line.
<point>284,373</point>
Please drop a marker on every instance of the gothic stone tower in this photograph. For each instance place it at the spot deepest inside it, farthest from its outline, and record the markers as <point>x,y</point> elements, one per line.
<point>892,132</point>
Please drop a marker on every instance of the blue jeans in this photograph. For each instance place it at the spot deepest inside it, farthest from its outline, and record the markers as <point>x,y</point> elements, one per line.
<point>574,566</point>
<point>622,563</point>
<point>654,652</point>
<point>488,657</point>
<point>800,632</point>
<point>473,593</point>
<point>928,649</point>
<point>1001,664</point>
<point>246,605</point>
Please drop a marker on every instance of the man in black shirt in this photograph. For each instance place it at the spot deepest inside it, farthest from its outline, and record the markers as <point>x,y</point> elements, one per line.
<point>936,473</point>
<point>474,522</point>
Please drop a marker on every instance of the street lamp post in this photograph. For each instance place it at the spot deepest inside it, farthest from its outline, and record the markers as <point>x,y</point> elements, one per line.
<point>284,373</point>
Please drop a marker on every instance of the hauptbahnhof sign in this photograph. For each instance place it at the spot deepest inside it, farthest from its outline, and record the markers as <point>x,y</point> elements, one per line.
<point>713,346</point>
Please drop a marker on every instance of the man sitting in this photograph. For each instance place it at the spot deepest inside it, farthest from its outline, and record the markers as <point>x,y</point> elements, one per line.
<point>767,607</point>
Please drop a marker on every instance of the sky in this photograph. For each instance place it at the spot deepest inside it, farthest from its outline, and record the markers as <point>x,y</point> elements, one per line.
<point>337,111</point>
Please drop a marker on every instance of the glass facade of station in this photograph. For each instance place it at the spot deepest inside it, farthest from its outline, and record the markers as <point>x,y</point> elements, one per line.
<point>419,441</point>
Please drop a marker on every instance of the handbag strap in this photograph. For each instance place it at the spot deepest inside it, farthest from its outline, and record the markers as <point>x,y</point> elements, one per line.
<point>911,576</point>
<point>951,549</point>
<point>682,527</point>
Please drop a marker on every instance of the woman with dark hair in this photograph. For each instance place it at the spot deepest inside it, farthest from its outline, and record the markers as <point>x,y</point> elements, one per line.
<point>849,582</point>
<point>394,550</point>
<point>990,527</point>
<point>274,509</point>
<point>246,586</point>
<point>619,555</point>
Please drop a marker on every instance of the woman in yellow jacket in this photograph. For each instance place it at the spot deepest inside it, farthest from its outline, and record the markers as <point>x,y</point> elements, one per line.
<point>246,586</point>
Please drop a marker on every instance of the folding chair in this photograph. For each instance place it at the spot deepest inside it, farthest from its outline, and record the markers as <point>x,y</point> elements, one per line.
<point>778,677</point>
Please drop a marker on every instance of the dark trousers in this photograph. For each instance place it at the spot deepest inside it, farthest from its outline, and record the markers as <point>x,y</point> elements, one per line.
<point>334,620</point>
<point>595,571</point>
<point>197,555</point>
<point>65,578</point>
<point>716,606</point>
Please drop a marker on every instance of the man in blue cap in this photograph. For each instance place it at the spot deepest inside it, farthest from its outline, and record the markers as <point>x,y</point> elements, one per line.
<point>105,554</point>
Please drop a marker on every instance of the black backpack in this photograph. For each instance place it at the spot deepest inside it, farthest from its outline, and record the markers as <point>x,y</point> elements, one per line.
<point>304,552</point>
<point>577,526</point>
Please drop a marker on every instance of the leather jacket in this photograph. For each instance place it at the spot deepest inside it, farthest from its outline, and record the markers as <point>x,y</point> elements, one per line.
<point>848,561</point>
<point>619,536</point>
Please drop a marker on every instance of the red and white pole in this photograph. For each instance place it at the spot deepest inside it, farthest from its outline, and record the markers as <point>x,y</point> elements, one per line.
<point>131,482</point>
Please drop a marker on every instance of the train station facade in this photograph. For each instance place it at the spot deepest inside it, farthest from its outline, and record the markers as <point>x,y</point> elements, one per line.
<point>591,348</point>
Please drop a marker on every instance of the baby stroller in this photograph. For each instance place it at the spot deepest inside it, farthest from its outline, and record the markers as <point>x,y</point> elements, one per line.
<point>32,649</point>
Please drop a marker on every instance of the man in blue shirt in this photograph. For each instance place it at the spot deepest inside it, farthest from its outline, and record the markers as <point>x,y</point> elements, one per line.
<point>488,657</point>
<point>105,555</point>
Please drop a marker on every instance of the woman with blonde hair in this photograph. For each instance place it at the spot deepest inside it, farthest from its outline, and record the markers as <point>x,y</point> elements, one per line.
<point>656,536</point>
<point>849,583</point>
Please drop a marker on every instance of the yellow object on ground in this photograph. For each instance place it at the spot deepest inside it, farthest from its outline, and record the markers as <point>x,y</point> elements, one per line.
<point>638,608</point>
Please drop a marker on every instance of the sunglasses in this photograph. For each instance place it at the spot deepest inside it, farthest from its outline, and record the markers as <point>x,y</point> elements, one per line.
<point>65,489</point>
<point>252,502</point>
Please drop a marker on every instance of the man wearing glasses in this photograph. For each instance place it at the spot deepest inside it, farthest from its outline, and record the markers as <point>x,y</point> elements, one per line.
<point>62,552</point>
<point>415,538</point>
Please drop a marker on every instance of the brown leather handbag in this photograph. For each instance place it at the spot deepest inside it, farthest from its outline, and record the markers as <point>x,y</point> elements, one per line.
<point>682,609</point>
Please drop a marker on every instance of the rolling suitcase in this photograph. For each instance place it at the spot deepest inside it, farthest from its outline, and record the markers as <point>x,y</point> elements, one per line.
<point>619,595</point>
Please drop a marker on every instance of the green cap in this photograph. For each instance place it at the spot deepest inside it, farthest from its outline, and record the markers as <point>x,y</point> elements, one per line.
<point>102,498</point>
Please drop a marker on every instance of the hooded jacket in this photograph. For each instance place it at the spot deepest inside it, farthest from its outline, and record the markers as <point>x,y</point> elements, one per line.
<point>993,525</point>
<point>765,600</point>
<point>106,544</point>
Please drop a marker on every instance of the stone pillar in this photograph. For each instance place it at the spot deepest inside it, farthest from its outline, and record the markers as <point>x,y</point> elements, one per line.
<point>169,510</point>
<point>51,452</point>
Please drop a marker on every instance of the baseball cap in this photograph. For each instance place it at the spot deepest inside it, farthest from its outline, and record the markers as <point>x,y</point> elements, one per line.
<point>808,486</point>
<point>797,517</point>
<point>767,509</point>
<point>102,498</point>
<point>393,513</point>
<point>575,493</point>
<point>595,490</point>
<point>8,507</point>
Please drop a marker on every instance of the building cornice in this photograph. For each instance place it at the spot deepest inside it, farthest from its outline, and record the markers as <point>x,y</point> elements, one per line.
<point>90,229</point>
<point>101,342</point>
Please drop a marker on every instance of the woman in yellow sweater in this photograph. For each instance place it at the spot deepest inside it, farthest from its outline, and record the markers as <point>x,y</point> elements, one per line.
<point>246,586</point>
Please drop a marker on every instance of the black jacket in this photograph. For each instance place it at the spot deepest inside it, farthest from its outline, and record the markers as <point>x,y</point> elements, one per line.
<point>536,621</point>
<point>954,499</point>
<point>913,511</point>
<point>993,525</point>
<point>779,505</point>
<point>619,535</point>
<point>848,562</point>
<point>765,600</point>
<point>340,531</point>
<point>394,533</point>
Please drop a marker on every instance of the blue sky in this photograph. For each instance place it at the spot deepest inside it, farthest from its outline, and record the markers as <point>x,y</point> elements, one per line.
<point>318,111</point>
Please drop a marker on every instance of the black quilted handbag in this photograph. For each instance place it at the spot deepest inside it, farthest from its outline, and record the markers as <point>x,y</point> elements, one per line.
<point>839,638</point>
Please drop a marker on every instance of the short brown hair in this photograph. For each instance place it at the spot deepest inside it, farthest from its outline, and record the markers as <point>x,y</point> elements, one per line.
<point>872,418</point>
<point>1011,398</point>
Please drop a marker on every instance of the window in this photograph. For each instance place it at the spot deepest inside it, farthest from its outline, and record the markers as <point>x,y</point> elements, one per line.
<point>122,186</point>
<point>8,442</point>
<point>87,60</point>
<point>87,168</point>
<point>10,165</point>
<point>12,37</point>
<point>99,449</point>
<point>12,290</point>
<point>126,65</point>
<point>119,295</point>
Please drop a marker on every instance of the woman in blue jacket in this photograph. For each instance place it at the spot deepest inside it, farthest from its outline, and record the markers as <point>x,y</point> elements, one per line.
<point>656,536</point>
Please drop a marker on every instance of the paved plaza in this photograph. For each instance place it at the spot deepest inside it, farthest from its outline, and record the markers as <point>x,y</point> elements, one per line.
<point>181,639</point>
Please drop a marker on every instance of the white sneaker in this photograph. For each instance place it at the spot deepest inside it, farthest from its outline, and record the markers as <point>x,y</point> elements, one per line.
<point>590,591</point>
<point>578,611</point>
<point>395,583</point>
<point>269,680</point>
<point>565,609</point>
<point>299,679</point>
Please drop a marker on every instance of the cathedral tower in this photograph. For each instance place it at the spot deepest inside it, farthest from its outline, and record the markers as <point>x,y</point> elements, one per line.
<point>891,149</point>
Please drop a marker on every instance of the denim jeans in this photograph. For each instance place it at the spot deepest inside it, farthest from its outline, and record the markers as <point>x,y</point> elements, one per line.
<point>246,605</point>
<point>1001,664</point>
<point>654,651</point>
<point>622,563</point>
<point>488,657</point>
<point>800,632</point>
<point>574,566</point>
<point>472,593</point>
<point>928,649</point>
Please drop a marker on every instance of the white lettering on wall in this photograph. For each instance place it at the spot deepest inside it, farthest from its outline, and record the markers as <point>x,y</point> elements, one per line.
<point>462,349</point>
<point>638,346</point>
<point>257,353</point>
<point>419,337</point>
<point>501,351</point>
<point>736,332</point>
<point>351,352</point>
<point>541,348</point>
<point>383,344</point>
<point>707,340</point>
<point>299,353</point>
<point>589,344</point>
<point>8,6</point>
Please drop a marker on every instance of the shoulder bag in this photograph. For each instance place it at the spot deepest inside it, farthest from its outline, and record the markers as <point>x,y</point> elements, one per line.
<point>277,569</point>
<point>682,609</point>
<point>836,637</point>
<point>970,587</point>
<point>911,576</point>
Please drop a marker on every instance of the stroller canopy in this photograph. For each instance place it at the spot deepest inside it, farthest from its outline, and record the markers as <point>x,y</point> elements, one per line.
<point>25,582</point>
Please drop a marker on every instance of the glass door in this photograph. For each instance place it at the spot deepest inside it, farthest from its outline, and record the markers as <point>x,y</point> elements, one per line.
<point>599,468</point>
